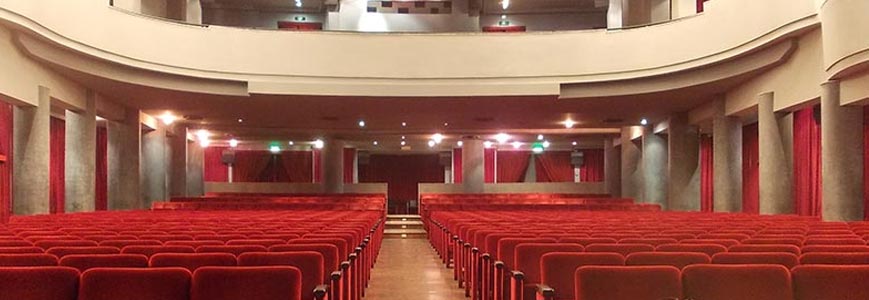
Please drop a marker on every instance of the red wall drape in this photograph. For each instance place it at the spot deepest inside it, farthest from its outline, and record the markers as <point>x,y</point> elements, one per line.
<point>512,165</point>
<point>750,169</point>
<point>489,165</point>
<point>249,165</point>
<point>700,5</point>
<point>592,169</point>
<point>349,162</point>
<point>457,165</point>
<point>57,147</point>
<point>297,165</point>
<point>402,173</point>
<point>554,166</point>
<point>317,166</point>
<point>101,202</point>
<point>866,163</point>
<point>5,167</point>
<point>214,170</point>
<point>707,196</point>
<point>807,162</point>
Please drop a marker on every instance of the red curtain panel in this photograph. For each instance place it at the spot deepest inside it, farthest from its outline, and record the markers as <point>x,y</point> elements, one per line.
<point>512,165</point>
<point>101,201</point>
<point>700,5</point>
<point>297,165</point>
<point>317,166</point>
<point>457,165</point>
<point>750,169</point>
<point>707,195</point>
<point>349,162</point>
<point>402,173</point>
<point>57,147</point>
<point>214,170</point>
<point>866,163</point>
<point>6,167</point>
<point>807,162</point>
<point>249,165</point>
<point>554,166</point>
<point>592,169</point>
<point>489,165</point>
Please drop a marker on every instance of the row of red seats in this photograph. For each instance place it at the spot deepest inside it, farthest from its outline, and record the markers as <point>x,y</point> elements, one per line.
<point>429,203</point>
<point>342,202</point>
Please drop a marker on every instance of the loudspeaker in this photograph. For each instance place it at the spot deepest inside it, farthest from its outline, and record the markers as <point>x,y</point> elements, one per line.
<point>363,157</point>
<point>577,158</point>
<point>227,157</point>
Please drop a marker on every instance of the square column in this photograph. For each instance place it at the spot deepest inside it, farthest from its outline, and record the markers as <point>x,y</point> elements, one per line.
<point>30,174</point>
<point>632,164</point>
<point>124,149</point>
<point>654,159</point>
<point>841,157</point>
<point>80,162</point>
<point>473,165</point>
<point>727,161</point>
<point>683,191</point>
<point>333,166</point>
<point>776,137</point>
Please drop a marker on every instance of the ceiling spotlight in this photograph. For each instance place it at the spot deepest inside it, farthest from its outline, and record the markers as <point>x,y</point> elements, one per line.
<point>644,122</point>
<point>274,149</point>
<point>431,143</point>
<point>240,120</point>
<point>291,143</point>
<point>502,138</point>
<point>539,137</point>
<point>505,4</point>
<point>167,118</point>
<point>546,144</point>
<point>361,123</point>
<point>569,123</point>
<point>573,143</point>
<point>202,134</point>
<point>319,144</point>
<point>517,144</point>
<point>437,138</point>
<point>460,143</point>
<point>233,143</point>
<point>204,143</point>
<point>375,143</point>
<point>488,144</point>
<point>403,143</point>
<point>402,137</point>
<point>100,118</point>
<point>403,124</point>
<point>298,4</point>
<point>446,124</point>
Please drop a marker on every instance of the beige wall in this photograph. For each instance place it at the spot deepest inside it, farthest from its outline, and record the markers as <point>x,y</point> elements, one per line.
<point>855,89</point>
<point>845,30</point>
<point>519,188</point>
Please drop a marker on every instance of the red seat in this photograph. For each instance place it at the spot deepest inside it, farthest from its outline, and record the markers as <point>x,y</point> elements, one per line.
<point>674,259</point>
<point>329,252</point>
<point>765,248</point>
<point>27,260</point>
<point>193,244</point>
<point>192,261</point>
<point>834,248</point>
<point>261,242</point>
<point>835,258</point>
<point>310,263</point>
<point>527,260</point>
<point>588,241</point>
<point>775,241</point>
<point>64,243</point>
<point>343,248</point>
<point>724,236</point>
<point>120,244</point>
<point>235,250</point>
<point>507,248</point>
<point>15,243</point>
<point>648,241</point>
<point>555,265</point>
<point>628,283</point>
<point>20,250</point>
<point>623,249</point>
<point>722,242</point>
<point>135,284</point>
<point>788,260</point>
<point>151,250</point>
<point>831,282</point>
<point>238,283</point>
<point>166,237</point>
<point>83,262</point>
<point>730,282</point>
<point>64,251</point>
<point>38,283</point>
<point>708,249</point>
<point>824,241</point>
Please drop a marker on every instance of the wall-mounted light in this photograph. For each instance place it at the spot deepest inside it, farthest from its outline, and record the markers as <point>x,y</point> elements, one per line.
<point>167,118</point>
<point>459,143</point>
<point>291,143</point>
<point>546,144</point>
<point>437,138</point>
<point>375,143</point>
<point>361,123</point>
<point>644,122</point>
<point>318,144</point>
<point>233,143</point>
<point>502,138</point>
<point>431,143</point>
<point>569,123</point>
<point>539,137</point>
<point>488,144</point>
<point>517,144</point>
<point>403,143</point>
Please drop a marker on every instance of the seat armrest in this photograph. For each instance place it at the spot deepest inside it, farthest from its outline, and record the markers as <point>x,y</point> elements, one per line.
<point>335,275</point>
<point>517,275</point>
<point>545,292</point>
<point>321,291</point>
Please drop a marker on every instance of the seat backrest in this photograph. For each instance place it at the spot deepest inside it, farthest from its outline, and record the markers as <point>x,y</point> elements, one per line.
<point>193,244</point>
<point>341,244</point>
<point>788,260</point>
<point>555,265</point>
<point>233,283</point>
<point>20,250</point>
<point>585,241</point>
<point>39,283</point>
<point>120,244</point>
<point>507,248</point>
<point>830,282</point>
<point>261,242</point>
<point>135,284</point>
<point>627,282</point>
<point>234,250</point>
<point>776,241</point>
<point>623,249</point>
<point>708,249</point>
<point>83,262</point>
<point>835,258</point>
<point>310,263</point>
<point>673,259</point>
<point>722,242</point>
<point>329,252</point>
<point>192,261</point>
<point>15,243</point>
<point>64,251</point>
<point>28,260</point>
<point>728,282</point>
<point>64,243</point>
<point>765,248</point>
<point>834,241</point>
<point>527,257</point>
<point>649,241</point>
<point>151,250</point>
<point>834,248</point>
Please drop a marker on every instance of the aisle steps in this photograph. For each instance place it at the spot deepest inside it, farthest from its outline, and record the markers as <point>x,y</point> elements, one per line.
<point>404,227</point>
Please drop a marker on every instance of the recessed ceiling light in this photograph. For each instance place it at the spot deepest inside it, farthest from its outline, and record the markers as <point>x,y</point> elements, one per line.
<point>437,138</point>
<point>402,137</point>
<point>460,143</point>
<point>403,124</point>
<point>233,143</point>
<point>167,118</point>
<point>569,123</point>
<point>446,124</point>
<point>319,144</point>
<point>539,137</point>
<point>240,120</point>
<point>546,144</point>
<point>204,143</point>
<point>502,138</point>
<point>431,143</point>
<point>644,122</point>
<point>517,144</point>
<point>488,144</point>
<point>403,143</point>
<point>573,143</point>
<point>361,123</point>
<point>375,143</point>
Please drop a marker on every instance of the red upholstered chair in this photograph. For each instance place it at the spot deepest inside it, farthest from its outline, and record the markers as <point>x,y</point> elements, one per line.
<point>15,243</point>
<point>64,251</point>
<point>235,250</point>
<point>272,236</point>
<point>775,241</point>
<point>27,260</point>
<point>708,249</point>
<point>310,263</point>
<point>120,244</point>
<point>555,268</point>
<point>834,248</point>
<point>504,264</point>
<point>835,258</point>
<point>673,259</point>
<point>527,261</point>
<point>83,262</point>
<point>831,282</point>
<point>788,260</point>
<point>193,244</point>
<point>332,274</point>
<point>64,243</point>
<point>588,241</point>
<point>239,283</point>
<point>627,283</point>
<point>729,282</point>
<point>725,236</point>
<point>835,241</point>
<point>649,241</point>
<point>261,242</point>
<point>722,242</point>
<point>151,250</point>
<point>623,249</point>
<point>20,250</point>
<point>765,248</point>
<point>166,237</point>
<point>192,261</point>
<point>135,284</point>
<point>38,283</point>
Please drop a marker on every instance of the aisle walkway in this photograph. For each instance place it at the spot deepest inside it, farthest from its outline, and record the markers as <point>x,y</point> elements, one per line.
<point>410,269</point>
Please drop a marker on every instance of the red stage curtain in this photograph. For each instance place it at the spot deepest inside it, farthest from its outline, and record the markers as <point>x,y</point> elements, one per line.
<point>349,161</point>
<point>707,195</point>
<point>866,163</point>
<point>512,165</point>
<point>700,5</point>
<point>5,167</point>
<point>249,165</point>
<point>807,162</point>
<point>402,173</point>
<point>592,169</point>
<point>457,165</point>
<point>317,166</point>
<point>554,166</point>
<point>750,169</point>
<point>297,166</point>
<point>214,170</point>
<point>57,147</point>
<point>101,202</point>
<point>489,165</point>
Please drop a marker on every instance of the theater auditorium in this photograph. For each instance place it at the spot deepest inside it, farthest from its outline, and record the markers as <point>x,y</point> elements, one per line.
<point>434,150</point>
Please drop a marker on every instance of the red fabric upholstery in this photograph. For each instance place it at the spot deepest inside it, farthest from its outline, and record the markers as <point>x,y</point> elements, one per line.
<point>15,243</point>
<point>489,158</point>
<point>831,282</point>
<point>308,262</point>
<point>349,164</point>
<point>623,249</point>
<point>151,250</point>
<point>729,282</point>
<point>648,241</point>
<point>120,244</point>
<point>64,243</point>
<point>19,250</point>
<point>765,248</point>
<point>457,165</point>
<point>627,283</point>
<point>723,242</point>
<point>259,242</point>
<point>38,283</point>
<point>724,236</point>
<point>192,261</point>
<point>835,241</point>
<point>6,167</point>
<point>135,284</point>
<point>27,260</point>
<point>83,262</point>
<point>214,170</point>
<point>709,249</point>
<point>237,283</point>
<point>507,248</point>
<point>674,259</point>
<point>235,250</point>
<point>555,265</point>
<point>788,260</point>
<point>835,258</point>
<point>554,166</point>
<point>774,241</point>
<point>512,165</point>
<point>193,244</point>
<point>835,248</point>
<point>528,255</point>
<point>64,251</point>
<point>588,241</point>
<point>331,260</point>
<point>343,248</point>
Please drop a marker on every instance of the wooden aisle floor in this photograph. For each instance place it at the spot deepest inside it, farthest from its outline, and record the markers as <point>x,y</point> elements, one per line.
<point>409,269</point>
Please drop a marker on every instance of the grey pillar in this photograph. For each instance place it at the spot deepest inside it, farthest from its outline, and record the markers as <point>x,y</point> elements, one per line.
<point>727,161</point>
<point>156,160</point>
<point>80,162</point>
<point>178,148</point>
<point>31,156</point>
<point>473,165</point>
<point>332,159</point>
<point>683,190</point>
<point>775,134</point>
<point>612,168</point>
<point>841,157</point>
<point>195,169</point>
<point>124,148</point>
<point>655,169</point>
<point>632,165</point>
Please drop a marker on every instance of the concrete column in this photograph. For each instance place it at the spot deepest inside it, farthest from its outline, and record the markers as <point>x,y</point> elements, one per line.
<point>332,159</point>
<point>80,162</point>
<point>727,161</point>
<point>155,166</point>
<point>614,14</point>
<point>194,12</point>
<point>473,165</point>
<point>124,147</point>
<point>195,169</point>
<point>683,191</point>
<point>841,157</point>
<point>654,160</point>
<point>31,156</point>
<point>775,135</point>
<point>177,140</point>
<point>612,168</point>
<point>632,163</point>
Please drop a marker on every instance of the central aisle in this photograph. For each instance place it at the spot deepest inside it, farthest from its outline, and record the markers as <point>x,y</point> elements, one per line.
<point>410,269</point>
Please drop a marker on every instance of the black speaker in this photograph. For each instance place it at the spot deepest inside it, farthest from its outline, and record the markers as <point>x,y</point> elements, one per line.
<point>577,158</point>
<point>227,157</point>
